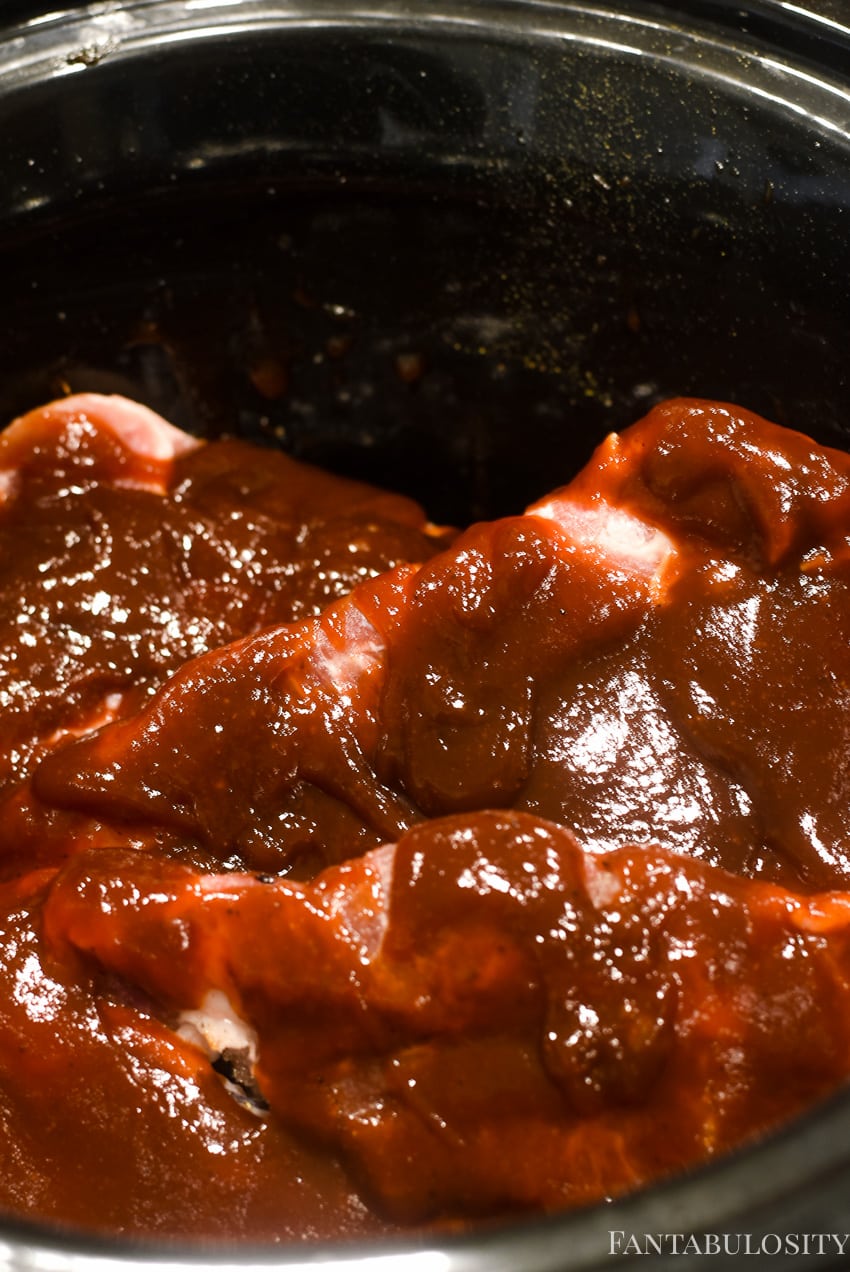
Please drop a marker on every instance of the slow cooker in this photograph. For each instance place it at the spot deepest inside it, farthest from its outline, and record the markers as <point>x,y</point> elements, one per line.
<point>447,248</point>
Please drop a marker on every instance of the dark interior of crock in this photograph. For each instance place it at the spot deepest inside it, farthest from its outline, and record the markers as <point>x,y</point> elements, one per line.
<point>448,262</point>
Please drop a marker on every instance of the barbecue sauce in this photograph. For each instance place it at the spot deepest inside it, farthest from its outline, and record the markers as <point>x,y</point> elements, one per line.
<point>367,879</point>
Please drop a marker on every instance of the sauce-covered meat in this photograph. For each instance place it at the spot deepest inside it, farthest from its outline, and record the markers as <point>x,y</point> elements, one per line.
<point>412,880</point>
<point>128,547</point>
<point>486,1016</point>
<point>645,657</point>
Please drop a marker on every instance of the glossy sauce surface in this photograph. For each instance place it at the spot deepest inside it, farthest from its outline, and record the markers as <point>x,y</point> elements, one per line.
<point>493,874</point>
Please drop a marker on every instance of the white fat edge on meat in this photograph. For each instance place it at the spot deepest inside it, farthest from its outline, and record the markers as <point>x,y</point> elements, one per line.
<point>9,483</point>
<point>343,659</point>
<point>216,1027</point>
<point>602,886</point>
<point>105,712</point>
<point>616,536</point>
<point>229,1043</point>
<point>364,910</point>
<point>138,429</point>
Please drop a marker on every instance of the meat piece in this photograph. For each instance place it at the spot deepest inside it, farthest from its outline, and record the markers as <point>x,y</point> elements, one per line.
<point>486,1017</point>
<point>731,715</point>
<point>90,437</point>
<point>658,652</point>
<point>128,547</point>
<point>724,476</point>
<point>466,1015</point>
<point>287,718</point>
<point>111,1121</point>
<point>299,719</point>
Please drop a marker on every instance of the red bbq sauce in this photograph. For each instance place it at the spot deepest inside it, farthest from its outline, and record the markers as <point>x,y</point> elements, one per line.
<point>365,879</point>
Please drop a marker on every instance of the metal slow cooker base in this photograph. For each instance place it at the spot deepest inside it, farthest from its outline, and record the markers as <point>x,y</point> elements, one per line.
<point>472,240</point>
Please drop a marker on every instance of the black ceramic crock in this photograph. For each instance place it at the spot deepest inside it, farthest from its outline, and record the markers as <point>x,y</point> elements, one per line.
<point>447,247</point>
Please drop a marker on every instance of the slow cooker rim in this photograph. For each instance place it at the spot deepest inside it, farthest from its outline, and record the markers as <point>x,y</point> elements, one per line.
<point>754,1174</point>
<point>73,40</point>
<point>103,35</point>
